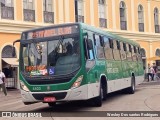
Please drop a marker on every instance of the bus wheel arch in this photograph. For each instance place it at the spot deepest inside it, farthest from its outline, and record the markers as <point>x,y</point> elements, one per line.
<point>104,86</point>
<point>131,89</point>
<point>102,92</point>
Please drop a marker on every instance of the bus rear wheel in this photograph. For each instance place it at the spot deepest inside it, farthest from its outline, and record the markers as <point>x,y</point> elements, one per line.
<point>52,104</point>
<point>131,89</point>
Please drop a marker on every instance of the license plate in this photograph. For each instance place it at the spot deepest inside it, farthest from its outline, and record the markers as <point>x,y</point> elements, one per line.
<point>49,99</point>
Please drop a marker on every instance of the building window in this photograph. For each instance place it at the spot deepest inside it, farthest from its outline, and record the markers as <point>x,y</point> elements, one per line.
<point>140,18</point>
<point>79,14</point>
<point>28,10</point>
<point>156,23</point>
<point>158,52</point>
<point>123,21</point>
<point>7,9</point>
<point>102,14</point>
<point>48,11</point>
<point>7,52</point>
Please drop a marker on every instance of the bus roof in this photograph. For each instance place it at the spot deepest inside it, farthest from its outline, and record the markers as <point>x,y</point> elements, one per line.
<point>110,34</point>
<point>91,28</point>
<point>51,26</point>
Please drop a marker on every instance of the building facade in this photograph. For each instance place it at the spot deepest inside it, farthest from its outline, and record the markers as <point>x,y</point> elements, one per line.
<point>138,20</point>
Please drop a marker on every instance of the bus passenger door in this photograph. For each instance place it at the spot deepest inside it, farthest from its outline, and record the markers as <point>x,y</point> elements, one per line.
<point>91,67</point>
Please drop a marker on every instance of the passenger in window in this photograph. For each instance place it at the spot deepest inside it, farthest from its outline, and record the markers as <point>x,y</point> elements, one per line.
<point>69,49</point>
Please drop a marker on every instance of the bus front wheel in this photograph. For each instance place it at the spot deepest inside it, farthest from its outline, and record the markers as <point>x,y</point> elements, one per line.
<point>102,96</point>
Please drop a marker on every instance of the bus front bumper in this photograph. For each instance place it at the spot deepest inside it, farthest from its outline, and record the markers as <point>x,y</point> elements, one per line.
<point>79,93</point>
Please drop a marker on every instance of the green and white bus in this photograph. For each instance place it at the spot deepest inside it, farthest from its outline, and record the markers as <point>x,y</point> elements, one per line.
<point>75,61</point>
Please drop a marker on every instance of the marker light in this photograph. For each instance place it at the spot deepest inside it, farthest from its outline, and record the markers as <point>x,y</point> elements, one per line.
<point>24,87</point>
<point>77,83</point>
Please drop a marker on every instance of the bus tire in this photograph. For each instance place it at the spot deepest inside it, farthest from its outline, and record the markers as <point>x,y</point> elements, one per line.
<point>104,92</point>
<point>52,104</point>
<point>131,89</point>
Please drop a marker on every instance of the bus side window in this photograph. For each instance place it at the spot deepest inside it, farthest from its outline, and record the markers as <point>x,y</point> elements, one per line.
<point>139,54</point>
<point>94,39</point>
<point>134,56</point>
<point>99,47</point>
<point>110,43</point>
<point>122,51</point>
<point>90,49</point>
<point>128,52</point>
<point>116,50</point>
<point>124,47</point>
<point>118,45</point>
<point>108,48</point>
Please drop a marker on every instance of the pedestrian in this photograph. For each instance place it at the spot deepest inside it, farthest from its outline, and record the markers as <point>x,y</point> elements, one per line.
<point>153,72</point>
<point>2,82</point>
<point>156,70</point>
<point>150,72</point>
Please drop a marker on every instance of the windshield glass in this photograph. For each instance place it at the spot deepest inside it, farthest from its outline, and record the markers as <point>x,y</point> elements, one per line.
<point>54,57</point>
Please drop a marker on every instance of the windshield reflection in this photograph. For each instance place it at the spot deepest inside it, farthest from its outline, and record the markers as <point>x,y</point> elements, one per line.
<point>61,56</point>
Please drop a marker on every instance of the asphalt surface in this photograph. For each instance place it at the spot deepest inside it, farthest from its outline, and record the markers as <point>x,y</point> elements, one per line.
<point>146,98</point>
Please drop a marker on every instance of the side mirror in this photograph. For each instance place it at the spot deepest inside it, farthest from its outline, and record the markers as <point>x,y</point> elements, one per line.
<point>13,48</point>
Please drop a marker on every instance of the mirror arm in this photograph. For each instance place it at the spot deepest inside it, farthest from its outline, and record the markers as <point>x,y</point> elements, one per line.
<point>13,49</point>
<point>15,42</point>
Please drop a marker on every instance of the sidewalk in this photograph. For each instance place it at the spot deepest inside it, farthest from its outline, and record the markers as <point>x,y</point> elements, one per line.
<point>11,94</point>
<point>157,79</point>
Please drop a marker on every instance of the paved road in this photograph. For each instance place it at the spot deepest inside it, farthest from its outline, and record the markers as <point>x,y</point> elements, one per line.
<point>146,98</point>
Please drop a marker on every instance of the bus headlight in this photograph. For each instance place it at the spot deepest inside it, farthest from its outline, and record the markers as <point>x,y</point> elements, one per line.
<point>77,83</point>
<point>24,87</point>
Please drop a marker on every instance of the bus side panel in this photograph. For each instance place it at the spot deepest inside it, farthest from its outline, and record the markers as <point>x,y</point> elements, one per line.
<point>93,77</point>
<point>140,77</point>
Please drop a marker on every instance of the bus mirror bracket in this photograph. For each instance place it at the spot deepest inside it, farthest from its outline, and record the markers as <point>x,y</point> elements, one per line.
<point>85,34</point>
<point>13,48</point>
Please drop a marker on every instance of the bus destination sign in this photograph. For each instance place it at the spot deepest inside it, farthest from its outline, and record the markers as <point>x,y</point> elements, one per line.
<point>53,32</point>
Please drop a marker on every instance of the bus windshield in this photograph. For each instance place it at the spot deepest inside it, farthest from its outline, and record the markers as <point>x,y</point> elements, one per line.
<point>51,57</point>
